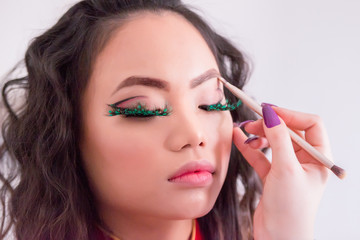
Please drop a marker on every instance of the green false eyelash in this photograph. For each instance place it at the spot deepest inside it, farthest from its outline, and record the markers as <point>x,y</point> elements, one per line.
<point>221,107</point>
<point>139,111</point>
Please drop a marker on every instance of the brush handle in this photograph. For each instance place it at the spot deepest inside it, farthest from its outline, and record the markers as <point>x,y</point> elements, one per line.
<point>310,149</point>
<point>296,138</point>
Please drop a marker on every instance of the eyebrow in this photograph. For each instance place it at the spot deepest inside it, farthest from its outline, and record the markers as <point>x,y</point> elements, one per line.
<point>163,85</point>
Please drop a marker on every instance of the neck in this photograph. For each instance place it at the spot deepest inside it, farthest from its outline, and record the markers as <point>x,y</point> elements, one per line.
<point>132,227</point>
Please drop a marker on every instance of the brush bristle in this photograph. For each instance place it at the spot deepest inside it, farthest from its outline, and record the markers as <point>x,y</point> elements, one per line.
<point>338,171</point>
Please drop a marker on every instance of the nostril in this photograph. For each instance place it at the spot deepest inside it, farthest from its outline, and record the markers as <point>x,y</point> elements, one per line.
<point>201,144</point>
<point>187,145</point>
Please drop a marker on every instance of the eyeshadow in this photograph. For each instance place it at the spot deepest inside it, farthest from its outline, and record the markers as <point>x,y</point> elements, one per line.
<point>127,101</point>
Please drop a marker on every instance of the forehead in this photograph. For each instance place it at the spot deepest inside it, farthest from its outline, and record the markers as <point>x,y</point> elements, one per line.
<point>161,45</point>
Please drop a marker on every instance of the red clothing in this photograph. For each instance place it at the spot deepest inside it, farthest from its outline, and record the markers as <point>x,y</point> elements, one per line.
<point>198,233</point>
<point>100,235</point>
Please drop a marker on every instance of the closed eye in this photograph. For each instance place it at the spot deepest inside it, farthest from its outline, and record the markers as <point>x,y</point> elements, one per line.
<point>221,107</point>
<point>140,111</point>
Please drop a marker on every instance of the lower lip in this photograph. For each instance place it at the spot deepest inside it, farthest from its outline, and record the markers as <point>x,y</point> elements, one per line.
<point>199,179</point>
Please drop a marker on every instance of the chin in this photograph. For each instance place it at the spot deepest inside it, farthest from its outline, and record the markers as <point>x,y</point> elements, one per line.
<point>202,213</point>
<point>193,210</point>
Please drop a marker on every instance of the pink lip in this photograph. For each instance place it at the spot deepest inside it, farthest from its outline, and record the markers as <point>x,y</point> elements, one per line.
<point>196,173</point>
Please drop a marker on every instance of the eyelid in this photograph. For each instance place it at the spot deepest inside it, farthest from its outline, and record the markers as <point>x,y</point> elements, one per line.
<point>129,111</point>
<point>125,100</point>
<point>222,95</point>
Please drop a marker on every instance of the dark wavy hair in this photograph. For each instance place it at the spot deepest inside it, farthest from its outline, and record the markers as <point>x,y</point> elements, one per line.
<point>45,192</point>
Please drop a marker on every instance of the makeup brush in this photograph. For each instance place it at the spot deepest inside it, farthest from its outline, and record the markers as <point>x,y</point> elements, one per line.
<point>339,172</point>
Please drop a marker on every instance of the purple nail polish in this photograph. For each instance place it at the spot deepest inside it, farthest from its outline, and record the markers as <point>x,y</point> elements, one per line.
<point>242,124</point>
<point>272,105</point>
<point>250,139</point>
<point>270,117</point>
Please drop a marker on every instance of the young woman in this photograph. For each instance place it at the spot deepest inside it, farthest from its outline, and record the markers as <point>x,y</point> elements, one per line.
<point>126,133</point>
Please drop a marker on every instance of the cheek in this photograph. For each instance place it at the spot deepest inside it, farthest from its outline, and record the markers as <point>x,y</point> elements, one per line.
<point>116,157</point>
<point>226,129</point>
<point>222,140</point>
<point>220,129</point>
<point>226,138</point>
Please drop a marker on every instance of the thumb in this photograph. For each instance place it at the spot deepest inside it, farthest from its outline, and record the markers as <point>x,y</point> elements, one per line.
<point>279,139</point>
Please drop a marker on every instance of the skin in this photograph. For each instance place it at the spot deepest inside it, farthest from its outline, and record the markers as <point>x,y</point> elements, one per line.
<point>293,182</point>
<point>129,161</point>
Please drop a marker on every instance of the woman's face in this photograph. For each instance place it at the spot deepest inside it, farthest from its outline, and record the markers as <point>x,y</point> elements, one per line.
<point>131,162</point>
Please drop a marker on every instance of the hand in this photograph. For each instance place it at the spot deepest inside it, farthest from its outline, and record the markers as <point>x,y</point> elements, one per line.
<point>293,182</point>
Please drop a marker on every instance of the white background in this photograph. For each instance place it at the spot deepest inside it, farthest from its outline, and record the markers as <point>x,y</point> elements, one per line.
<point>306,57</point>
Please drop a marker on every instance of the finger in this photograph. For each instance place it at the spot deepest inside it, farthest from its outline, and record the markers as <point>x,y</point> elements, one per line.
<point>311,124</point>
<point>256,142</point>
<point>254,157</point>
<point>256,128</point>
<point>305,157</point>
<point>295,145</point>
<point>279,139</point>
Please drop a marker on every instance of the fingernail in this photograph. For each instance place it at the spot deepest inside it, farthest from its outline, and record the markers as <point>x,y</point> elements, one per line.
<point>250,139</point>
<point>270,117</point>
<point>272,105</point>
<point>242,124</point>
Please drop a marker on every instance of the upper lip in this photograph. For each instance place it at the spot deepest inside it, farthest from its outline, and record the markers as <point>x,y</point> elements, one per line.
<point>193,166</point>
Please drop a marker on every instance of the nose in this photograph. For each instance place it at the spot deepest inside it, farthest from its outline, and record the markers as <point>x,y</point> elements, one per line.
<point>187,131</point>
